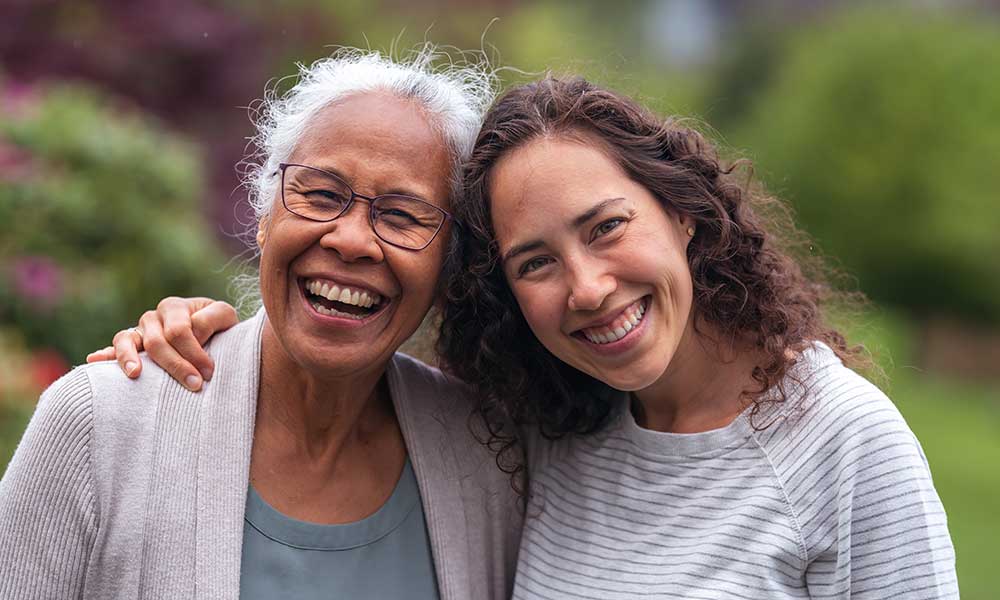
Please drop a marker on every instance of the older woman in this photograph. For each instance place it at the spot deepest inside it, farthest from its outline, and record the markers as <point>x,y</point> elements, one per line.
<point>316,462</point>
<point>693,429</point>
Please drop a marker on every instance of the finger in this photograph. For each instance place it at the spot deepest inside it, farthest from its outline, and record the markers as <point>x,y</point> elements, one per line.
<point>124,344</point>
<point>213,318</point>
<point>163,354</point>
<point>107,353</point>
<point>178,331</point>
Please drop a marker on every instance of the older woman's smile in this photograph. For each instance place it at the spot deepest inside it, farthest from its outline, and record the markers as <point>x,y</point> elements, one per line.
<point>341,300</point>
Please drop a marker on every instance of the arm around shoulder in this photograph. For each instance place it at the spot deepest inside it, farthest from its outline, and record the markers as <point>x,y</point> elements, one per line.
<point>48,501</point>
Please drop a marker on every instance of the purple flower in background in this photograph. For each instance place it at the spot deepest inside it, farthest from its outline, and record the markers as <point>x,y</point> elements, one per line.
<point>37,279</point>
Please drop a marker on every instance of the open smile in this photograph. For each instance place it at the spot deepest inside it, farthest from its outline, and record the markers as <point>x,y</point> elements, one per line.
<point>330,299</point>
<point>619,330</point>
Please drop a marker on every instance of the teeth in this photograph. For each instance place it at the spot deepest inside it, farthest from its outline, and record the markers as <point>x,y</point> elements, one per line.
<point>334,312</point>
<point>618,328</point>
<point>344,294</point>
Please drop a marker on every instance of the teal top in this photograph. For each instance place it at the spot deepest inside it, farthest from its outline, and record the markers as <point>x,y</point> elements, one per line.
<point>385,555</point>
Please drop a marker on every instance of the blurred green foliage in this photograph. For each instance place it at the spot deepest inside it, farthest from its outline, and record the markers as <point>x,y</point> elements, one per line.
<point>100,216</point>
<point>881,128</point>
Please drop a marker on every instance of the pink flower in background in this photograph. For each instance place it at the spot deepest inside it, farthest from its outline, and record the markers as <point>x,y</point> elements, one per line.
<point>37,279</point>
<point>16,98</point>
<point>15,163</point>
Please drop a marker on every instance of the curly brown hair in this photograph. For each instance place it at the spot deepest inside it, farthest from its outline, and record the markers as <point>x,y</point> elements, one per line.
<point>748,284</point>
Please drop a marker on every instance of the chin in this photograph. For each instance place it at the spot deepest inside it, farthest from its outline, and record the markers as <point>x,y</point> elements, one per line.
<point>628,384</point>
<point>628,378</point>
<point>625,382</point>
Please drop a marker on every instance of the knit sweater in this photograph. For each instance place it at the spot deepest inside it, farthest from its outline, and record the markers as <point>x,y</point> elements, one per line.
<point>136,488</point>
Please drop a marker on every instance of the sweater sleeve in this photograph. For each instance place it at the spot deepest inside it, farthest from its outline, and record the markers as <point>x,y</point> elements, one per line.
<point>48,506</point>
<point>877,526</point>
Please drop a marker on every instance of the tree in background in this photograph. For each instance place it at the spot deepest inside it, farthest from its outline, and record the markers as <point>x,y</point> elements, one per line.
<point>881,128</point>
<point>100,216</point>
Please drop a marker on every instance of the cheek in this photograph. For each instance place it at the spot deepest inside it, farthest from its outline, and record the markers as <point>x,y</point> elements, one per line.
<point>540,309</point>
<point>418,276</point>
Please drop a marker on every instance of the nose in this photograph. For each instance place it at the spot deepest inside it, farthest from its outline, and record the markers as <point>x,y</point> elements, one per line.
<point>589,285</point>
<point>351,235</point>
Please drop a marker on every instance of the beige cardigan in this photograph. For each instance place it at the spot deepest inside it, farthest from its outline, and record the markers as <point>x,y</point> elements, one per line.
<point>136,488</point>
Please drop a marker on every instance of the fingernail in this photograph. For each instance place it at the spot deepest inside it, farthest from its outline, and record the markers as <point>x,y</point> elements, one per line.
<point>193,382</point>
<point>207,374</point>
<point>130,367</point>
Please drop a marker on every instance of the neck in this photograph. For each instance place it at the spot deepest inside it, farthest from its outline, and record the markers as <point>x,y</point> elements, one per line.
<point>702,388</point>
<point>314,415</point>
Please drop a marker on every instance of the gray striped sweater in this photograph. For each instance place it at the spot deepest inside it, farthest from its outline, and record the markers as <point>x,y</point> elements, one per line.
<point>829,496</point>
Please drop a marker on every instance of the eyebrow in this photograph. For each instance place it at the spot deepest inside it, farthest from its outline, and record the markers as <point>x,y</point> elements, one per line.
<point>395,191</point>
<point>574,223</point>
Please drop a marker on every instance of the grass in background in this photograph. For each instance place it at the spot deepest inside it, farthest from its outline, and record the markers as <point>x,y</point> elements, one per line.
<point>958,425</point>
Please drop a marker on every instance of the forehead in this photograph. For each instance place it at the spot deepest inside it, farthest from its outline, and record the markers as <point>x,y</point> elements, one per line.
<point>380,143</point>
<point>548,180</point>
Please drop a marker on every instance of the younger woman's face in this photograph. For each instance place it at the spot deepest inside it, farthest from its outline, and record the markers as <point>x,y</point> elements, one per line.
<point>597,265</point>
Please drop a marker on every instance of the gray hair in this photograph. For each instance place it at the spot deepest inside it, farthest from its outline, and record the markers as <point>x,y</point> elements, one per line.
<point>455,94</point>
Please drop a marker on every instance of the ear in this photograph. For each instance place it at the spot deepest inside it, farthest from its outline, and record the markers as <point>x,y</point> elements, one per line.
<point>687,225</point>
<point>262,231</point>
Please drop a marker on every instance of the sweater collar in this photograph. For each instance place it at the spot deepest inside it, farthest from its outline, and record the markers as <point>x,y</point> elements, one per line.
<point>226,423</point>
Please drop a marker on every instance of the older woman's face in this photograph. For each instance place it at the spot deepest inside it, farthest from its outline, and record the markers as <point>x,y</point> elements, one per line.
<point>379,144</point>
<point>596,263</point>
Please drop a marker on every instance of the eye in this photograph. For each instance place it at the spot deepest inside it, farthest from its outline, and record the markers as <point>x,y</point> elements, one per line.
<point>397,216</point>
<point>331,196</point>
<point>532,265</point>
<point>606,227</point>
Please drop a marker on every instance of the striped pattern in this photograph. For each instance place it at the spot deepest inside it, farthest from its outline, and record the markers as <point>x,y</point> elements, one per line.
<point>833,499</point>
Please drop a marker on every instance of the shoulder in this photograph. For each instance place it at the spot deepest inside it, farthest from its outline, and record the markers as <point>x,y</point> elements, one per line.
<point>427,388</point>
<point>65,409</point>
<point>829,401</point>
<point>837,426</point>
<point>239,344</point>
<point>114,399</point>
<point>432,405</point>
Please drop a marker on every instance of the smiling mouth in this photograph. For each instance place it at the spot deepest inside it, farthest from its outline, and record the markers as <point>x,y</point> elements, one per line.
<point>618,329</point>
<point>334,300</point>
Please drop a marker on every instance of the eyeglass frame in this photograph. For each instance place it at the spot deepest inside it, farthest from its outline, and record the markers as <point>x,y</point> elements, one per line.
<point>282,167</point>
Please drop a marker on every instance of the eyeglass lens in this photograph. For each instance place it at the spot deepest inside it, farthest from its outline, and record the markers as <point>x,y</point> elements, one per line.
<point>399,220</point>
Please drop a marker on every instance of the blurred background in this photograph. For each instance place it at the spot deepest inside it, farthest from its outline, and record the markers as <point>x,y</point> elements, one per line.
<point>121,124</point>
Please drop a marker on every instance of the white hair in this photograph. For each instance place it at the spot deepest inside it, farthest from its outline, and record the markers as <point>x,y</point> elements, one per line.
<point>454,94</point>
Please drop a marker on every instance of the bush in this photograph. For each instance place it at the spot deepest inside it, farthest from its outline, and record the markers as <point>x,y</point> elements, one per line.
<point>100,216</point>
<point>881,128</point>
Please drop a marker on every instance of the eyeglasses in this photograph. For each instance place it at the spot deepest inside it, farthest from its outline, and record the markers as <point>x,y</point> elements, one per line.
<point>319,195</point>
